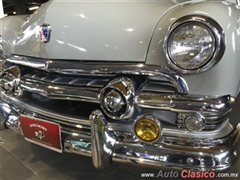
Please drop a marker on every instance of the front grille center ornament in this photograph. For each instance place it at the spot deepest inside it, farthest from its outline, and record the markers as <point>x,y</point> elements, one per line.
<point>116,98</point>
<point>45,32</point>
<point>114,101</point>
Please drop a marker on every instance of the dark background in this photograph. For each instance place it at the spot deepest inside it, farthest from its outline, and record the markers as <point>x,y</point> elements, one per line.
<point>20,6</point>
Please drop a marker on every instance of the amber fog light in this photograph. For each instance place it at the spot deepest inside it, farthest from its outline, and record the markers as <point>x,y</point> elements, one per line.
<point>147,128</point>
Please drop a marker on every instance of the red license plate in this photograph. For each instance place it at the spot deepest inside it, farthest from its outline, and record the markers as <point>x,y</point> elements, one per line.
<point>41,132</point>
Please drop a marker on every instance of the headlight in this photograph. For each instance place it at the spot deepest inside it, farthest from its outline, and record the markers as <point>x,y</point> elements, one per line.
<point>194,44</point>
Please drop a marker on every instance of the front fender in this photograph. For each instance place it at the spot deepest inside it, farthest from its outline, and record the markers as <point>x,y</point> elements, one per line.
<point>223,78</point>
<point>9,29</point>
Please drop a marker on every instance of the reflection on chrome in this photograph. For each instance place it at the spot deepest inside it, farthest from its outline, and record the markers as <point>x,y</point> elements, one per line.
<point>74,68</point>
<point>114,91</point>
<point>103,139</point>
<point>105,145</point>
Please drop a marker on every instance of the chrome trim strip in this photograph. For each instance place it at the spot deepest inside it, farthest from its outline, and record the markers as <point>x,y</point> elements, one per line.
<point>238,3</point>
<point>216,30</point>
<point>53,91</point>
<point>30,62</point>
<point>207,105</point>
<point>76,67</point>
<point>5,110</point>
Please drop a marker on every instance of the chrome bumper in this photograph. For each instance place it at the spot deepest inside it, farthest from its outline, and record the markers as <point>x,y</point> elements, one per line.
<point>105,147</point>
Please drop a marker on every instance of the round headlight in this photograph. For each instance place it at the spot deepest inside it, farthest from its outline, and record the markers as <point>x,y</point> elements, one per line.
<point>194,44</point>
<point>191,45</point>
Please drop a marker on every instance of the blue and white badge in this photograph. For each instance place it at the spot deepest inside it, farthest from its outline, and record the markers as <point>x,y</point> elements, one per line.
<point>45,32</point>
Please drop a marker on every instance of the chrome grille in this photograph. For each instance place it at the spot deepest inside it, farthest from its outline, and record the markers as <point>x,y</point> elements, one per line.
<point>84,80</point>
<point>159,89</point>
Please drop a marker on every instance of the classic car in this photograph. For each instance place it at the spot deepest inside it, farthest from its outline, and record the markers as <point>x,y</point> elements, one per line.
<point>149,83</point>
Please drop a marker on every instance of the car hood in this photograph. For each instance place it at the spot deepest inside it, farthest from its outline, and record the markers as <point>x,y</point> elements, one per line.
<point>92,30</point>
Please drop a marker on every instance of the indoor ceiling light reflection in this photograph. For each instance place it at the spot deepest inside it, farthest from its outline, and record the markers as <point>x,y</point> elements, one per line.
<point>60,42</point>
<point>74,134</point>
<point>76,47</point>
<point>33,8</point>
<point>130,29</point>
<point>201,12</point>
<point>230,11</point>
<point>82,16</point>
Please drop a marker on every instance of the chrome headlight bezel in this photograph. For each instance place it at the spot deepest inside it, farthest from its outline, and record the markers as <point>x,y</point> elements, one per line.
<point>216,30</point>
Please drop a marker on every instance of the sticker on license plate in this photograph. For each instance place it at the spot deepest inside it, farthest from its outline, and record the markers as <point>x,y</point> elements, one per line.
<point>41,132</point>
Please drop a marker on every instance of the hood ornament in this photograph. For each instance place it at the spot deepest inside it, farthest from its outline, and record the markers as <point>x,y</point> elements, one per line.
<point>45,32</point>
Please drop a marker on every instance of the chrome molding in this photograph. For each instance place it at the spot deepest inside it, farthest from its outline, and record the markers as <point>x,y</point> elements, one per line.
<point>216,30</point>
<point>238,3</point>
<point>206,105</point>
<point>76,67</point>
<point>54,91</point>
<point>5,110</point>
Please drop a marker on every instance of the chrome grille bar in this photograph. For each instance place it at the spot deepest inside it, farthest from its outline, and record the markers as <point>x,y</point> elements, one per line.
<point>77,68</point>
<point>53,91</point>
<point>208,105</point>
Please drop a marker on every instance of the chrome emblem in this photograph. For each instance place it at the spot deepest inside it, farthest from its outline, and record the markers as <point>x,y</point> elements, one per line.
<point>39,134</point>
<point>45,33</point>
